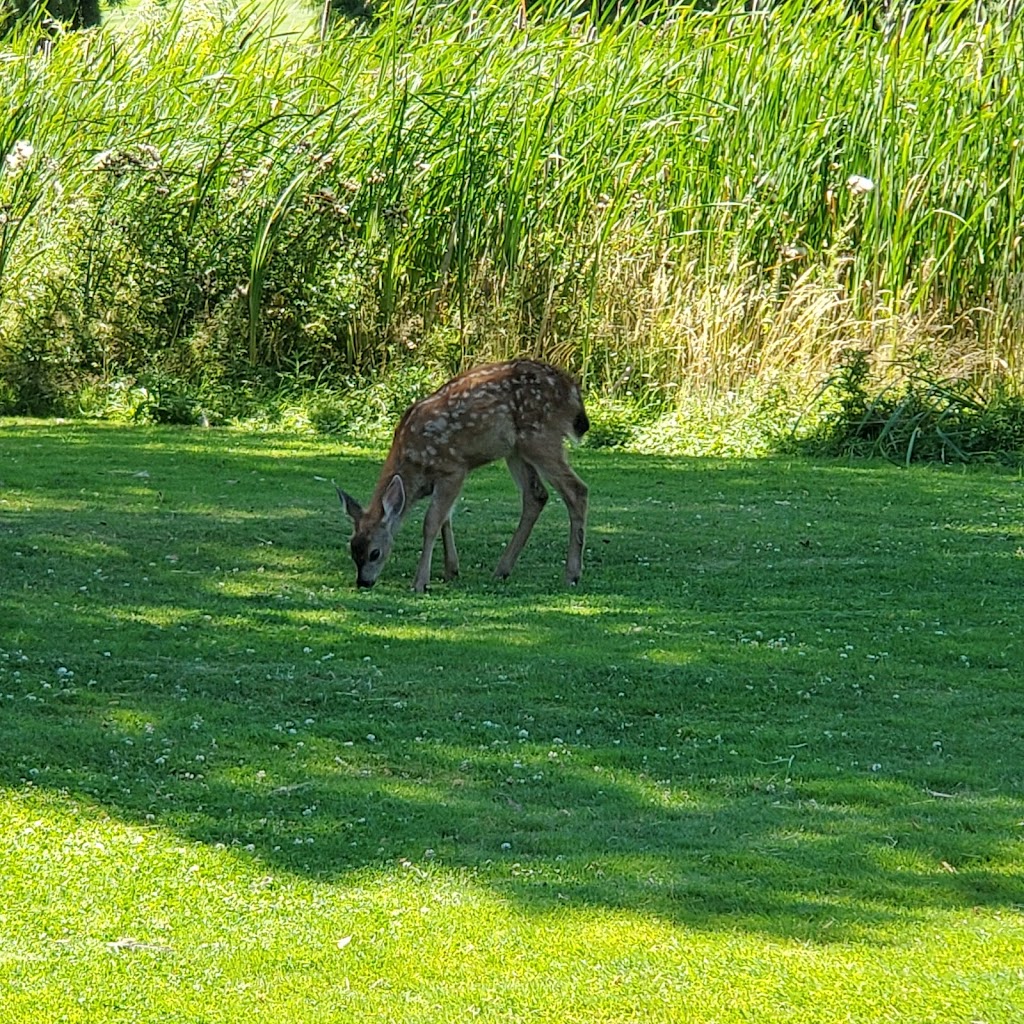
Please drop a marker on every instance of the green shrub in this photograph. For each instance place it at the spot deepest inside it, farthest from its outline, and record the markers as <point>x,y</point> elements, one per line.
<point>918,414</point>
<point>613,424</point>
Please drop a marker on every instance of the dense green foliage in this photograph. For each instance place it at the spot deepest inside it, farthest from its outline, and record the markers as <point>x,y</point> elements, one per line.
<point>667,207</point>
<point>71,14</point>
<point>920,415</point>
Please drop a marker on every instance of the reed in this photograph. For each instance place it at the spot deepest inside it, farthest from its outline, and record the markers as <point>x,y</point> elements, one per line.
<point>687,201</point>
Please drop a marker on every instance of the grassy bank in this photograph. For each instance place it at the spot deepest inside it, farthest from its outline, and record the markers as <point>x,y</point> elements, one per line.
<point>670,208</point>
<point>764,764</point>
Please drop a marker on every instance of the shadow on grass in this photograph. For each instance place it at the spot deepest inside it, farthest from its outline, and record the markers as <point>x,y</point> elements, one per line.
<point>784,698</point>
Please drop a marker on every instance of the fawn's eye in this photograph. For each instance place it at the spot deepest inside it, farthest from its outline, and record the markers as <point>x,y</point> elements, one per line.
<point>374,554</point>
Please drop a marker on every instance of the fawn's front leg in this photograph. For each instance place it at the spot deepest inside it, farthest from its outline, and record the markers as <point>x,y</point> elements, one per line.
<point>438,520</point>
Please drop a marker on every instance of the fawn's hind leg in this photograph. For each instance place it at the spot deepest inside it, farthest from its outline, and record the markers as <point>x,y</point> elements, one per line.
<point>535,496</point>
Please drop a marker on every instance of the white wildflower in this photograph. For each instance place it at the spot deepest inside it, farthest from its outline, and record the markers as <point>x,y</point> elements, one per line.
<point>19,156</point>
<point>858,185</point>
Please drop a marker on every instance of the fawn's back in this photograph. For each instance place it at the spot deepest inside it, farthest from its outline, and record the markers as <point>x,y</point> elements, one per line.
<point>485,415</point>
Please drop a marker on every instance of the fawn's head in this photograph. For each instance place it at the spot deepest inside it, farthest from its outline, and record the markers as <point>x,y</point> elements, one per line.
<point>374,530</point>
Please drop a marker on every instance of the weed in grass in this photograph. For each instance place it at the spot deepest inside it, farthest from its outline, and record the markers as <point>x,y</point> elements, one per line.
<point>764,764</point>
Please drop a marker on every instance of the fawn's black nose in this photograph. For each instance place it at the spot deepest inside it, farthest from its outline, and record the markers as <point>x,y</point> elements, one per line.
<point>364,584</point>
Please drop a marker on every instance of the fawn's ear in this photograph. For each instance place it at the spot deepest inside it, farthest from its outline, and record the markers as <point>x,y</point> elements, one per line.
<point>393,501</point>
<point>350,505</point>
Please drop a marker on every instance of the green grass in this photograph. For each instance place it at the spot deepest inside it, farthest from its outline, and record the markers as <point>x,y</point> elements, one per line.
<point>281,19</point>
<point>763,765</point>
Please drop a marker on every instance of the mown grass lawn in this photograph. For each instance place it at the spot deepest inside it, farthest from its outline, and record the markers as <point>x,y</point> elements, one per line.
<point>766,764</point>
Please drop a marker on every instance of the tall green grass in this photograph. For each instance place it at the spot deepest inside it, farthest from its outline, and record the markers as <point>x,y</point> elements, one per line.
<point>669,205</point>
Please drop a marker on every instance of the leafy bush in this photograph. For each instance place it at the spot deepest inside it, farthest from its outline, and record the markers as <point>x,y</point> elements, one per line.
<point>73,13</point>
<point>613,424</point>
<point>917,414</point>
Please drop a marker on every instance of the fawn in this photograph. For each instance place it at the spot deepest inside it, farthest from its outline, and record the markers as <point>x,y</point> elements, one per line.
<point>519,411</point>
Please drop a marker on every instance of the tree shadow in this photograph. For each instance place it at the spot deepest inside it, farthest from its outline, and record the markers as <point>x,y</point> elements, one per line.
<point>751,714</point>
